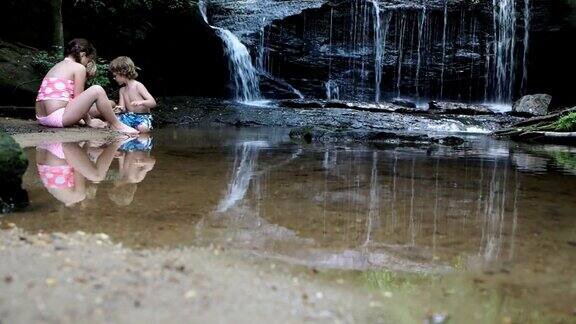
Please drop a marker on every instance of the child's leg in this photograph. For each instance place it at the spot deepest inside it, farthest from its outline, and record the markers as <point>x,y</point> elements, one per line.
<point>80,106</point>
<point>79,160</point>
<point>94,110</point>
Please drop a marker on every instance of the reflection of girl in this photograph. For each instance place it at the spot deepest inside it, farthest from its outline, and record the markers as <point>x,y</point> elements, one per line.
<point>64,168</point>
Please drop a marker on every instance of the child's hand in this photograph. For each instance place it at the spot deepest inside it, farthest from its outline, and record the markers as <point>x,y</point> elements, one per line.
<point>138,103</point>
<point>119,109</point>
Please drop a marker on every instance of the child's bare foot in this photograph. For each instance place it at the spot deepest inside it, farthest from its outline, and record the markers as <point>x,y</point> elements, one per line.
<point>97,123</point>
<point>120,127</point>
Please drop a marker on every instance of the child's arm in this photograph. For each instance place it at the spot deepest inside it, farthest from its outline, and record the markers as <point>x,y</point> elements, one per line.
<point>121,107</point>
<point>148,102</point>
<point>79,82</point>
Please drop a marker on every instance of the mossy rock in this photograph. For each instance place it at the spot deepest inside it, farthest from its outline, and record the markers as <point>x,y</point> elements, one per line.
<point>13,164</point>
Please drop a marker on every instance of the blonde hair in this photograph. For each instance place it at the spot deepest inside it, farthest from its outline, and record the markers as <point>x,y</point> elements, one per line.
<point>124,66</point>
<point>91,69</point>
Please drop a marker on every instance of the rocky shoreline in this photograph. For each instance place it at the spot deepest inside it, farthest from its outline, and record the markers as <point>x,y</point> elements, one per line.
<point>66,278</point>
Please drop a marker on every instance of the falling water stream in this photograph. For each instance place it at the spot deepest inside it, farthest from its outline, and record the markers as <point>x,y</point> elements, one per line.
<point>243,74</point>
<point>504,21</point>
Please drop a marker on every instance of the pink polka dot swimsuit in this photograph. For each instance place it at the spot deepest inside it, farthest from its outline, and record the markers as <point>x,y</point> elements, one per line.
<point>56,177</point>
<point>56,89</point>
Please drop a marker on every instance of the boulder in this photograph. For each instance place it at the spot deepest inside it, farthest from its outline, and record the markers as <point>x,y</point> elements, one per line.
<point>532,105</point>
<point>13,164</point>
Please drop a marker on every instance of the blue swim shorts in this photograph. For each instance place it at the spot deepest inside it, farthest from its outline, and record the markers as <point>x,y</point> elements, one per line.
<point>137,144</point>
<point>134,120</point>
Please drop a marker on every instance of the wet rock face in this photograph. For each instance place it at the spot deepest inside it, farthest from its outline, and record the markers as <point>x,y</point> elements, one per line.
<point>335,46</point>
<point>326,49</point>
<point>533,105</point>
<point>13,164</point>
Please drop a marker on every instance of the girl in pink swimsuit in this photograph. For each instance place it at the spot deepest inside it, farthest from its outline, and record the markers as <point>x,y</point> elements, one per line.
<point>62,100</point>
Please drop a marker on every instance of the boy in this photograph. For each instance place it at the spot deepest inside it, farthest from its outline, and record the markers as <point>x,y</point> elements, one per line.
<point>135,100</point>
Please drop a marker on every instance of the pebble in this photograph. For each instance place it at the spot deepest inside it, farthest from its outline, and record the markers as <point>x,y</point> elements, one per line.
<point>375,304</point>
<point>51,282</point>
<point>190,294</point>
<point>319,295</point>
<point>103,236</point>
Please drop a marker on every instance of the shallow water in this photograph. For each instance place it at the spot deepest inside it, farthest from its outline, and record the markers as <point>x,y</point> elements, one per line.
<point>500,215</point>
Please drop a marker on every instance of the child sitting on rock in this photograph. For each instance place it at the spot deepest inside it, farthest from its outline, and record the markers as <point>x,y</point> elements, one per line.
<point>135,100</point>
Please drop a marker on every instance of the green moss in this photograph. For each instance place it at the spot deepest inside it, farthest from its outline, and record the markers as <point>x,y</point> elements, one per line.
<point>566,123</point>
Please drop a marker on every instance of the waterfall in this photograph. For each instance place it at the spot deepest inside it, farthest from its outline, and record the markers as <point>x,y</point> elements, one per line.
<point>380,37</point>
<point>244,165</point>
<point>444,30</point>
<point>261,47</point>
<point>377,51</point>
<point>527,20</point>
<point>402,19</point>
<point>504,38</point>
<point>243,74</point>
<point>421,23</point>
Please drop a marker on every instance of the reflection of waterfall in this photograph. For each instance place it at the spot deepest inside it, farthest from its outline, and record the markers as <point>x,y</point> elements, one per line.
<point>494,215</point>
<point>242,72</point>
<point>244,166</point>
<point>374,205</point>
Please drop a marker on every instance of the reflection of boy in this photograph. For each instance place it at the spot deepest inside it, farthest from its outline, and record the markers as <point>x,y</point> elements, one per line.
<point>142,143</point>
<point>133,165</point>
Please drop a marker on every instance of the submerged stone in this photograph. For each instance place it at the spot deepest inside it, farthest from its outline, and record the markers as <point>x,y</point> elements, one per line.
<point>13,164</point>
